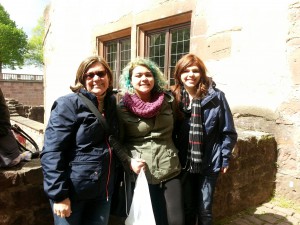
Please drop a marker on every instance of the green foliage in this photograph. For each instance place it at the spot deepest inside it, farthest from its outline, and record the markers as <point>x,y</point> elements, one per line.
<point>13,42</point>
<point>4,18</point>
<point>34,55</point>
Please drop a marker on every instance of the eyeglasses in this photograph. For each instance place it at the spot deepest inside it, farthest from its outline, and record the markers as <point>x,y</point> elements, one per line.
<point>91,75</point>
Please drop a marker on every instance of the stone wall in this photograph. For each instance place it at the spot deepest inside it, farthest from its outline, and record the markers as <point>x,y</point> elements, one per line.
<point>35,113</point>
<point>284,126</point>
<point>22,200</point>
<point>249,182</point>
<point>25,92</point>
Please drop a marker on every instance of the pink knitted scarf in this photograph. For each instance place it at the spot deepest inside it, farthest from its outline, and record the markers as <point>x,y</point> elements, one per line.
<point>143,109</point>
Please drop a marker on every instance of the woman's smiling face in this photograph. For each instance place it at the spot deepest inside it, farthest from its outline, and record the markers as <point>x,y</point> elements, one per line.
<point>96,79</point>
<point>190,77</point>
<point>142,81</point>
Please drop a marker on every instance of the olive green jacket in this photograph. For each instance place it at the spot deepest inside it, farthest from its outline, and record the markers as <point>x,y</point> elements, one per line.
<point>151,140</point>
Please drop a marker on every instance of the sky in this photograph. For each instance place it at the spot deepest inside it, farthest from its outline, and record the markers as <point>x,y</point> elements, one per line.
<point>25,13</point>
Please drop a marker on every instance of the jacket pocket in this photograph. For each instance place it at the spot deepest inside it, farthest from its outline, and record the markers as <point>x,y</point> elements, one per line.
<point>85,179</point>
<point>167,166</point>
<point>131,119</point>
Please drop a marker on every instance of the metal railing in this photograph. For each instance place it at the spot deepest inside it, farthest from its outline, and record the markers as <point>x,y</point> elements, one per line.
<point>20,77</point>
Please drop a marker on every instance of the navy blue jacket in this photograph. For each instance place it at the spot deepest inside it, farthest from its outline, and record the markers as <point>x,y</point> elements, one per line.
<point>76,159</point>
<point>219,135</point>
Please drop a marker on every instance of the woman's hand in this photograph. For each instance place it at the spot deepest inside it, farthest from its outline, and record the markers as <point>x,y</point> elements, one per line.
<point>63,208</point>
<point>137,164</point>
<point>224,169</point>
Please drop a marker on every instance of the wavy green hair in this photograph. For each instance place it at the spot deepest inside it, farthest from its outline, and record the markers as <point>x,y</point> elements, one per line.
<point>159,79</point>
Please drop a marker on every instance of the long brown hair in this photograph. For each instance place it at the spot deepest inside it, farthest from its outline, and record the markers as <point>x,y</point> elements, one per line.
<point>84,66</point>
<point>185,62</point>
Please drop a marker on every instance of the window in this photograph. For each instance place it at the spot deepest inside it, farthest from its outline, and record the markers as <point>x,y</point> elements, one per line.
<point>117,55</point>
<point>166,46</point>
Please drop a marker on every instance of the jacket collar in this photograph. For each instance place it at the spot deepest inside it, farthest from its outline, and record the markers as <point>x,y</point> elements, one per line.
<point>169,96</point>
<point>89,95</point>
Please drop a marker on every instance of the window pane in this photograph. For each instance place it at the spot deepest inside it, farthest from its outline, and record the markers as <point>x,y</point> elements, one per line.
<point>173,41</point>
<point>125,50</point>
<point>157,48</point>
<point>179,36</point>
<point>117,56</point>
<point>180,45</point>
<point>111,56</point>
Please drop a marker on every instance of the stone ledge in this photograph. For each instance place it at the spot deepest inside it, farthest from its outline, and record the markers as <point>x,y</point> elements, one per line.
<point>24,172</point>
<point>246,134</point>
<point>33,128</point>
<point>28,123</point>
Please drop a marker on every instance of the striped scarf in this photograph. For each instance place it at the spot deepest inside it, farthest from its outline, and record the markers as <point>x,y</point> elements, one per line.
<point>195,147</point>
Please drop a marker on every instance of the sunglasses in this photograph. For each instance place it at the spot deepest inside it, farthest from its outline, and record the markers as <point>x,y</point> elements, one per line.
<point>92,74</point>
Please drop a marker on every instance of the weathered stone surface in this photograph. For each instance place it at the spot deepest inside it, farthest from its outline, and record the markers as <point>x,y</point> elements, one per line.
<point>22,197</point>
<point>250,180</point>
<point>284,126</point>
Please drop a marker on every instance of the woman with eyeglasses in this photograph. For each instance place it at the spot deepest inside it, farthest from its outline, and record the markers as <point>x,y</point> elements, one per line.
<point>204,134</point>
<point>146,125</point>
<point>77,161</point>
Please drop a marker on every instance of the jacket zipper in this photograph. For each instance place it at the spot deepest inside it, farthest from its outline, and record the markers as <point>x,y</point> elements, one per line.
<point>108,175</point>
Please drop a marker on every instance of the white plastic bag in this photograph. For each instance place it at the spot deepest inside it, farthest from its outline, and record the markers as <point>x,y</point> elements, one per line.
<point>141,212</point>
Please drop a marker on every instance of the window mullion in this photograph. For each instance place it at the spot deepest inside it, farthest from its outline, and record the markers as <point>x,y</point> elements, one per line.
<point>167,55</point>
<point>118,61</point>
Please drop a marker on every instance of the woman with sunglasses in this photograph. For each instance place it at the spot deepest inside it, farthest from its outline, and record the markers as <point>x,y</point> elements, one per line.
<point>77,161</point>
<point>204,134</point>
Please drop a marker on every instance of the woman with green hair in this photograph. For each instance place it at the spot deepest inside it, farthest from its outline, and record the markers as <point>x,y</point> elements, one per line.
<point>146,125</point>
